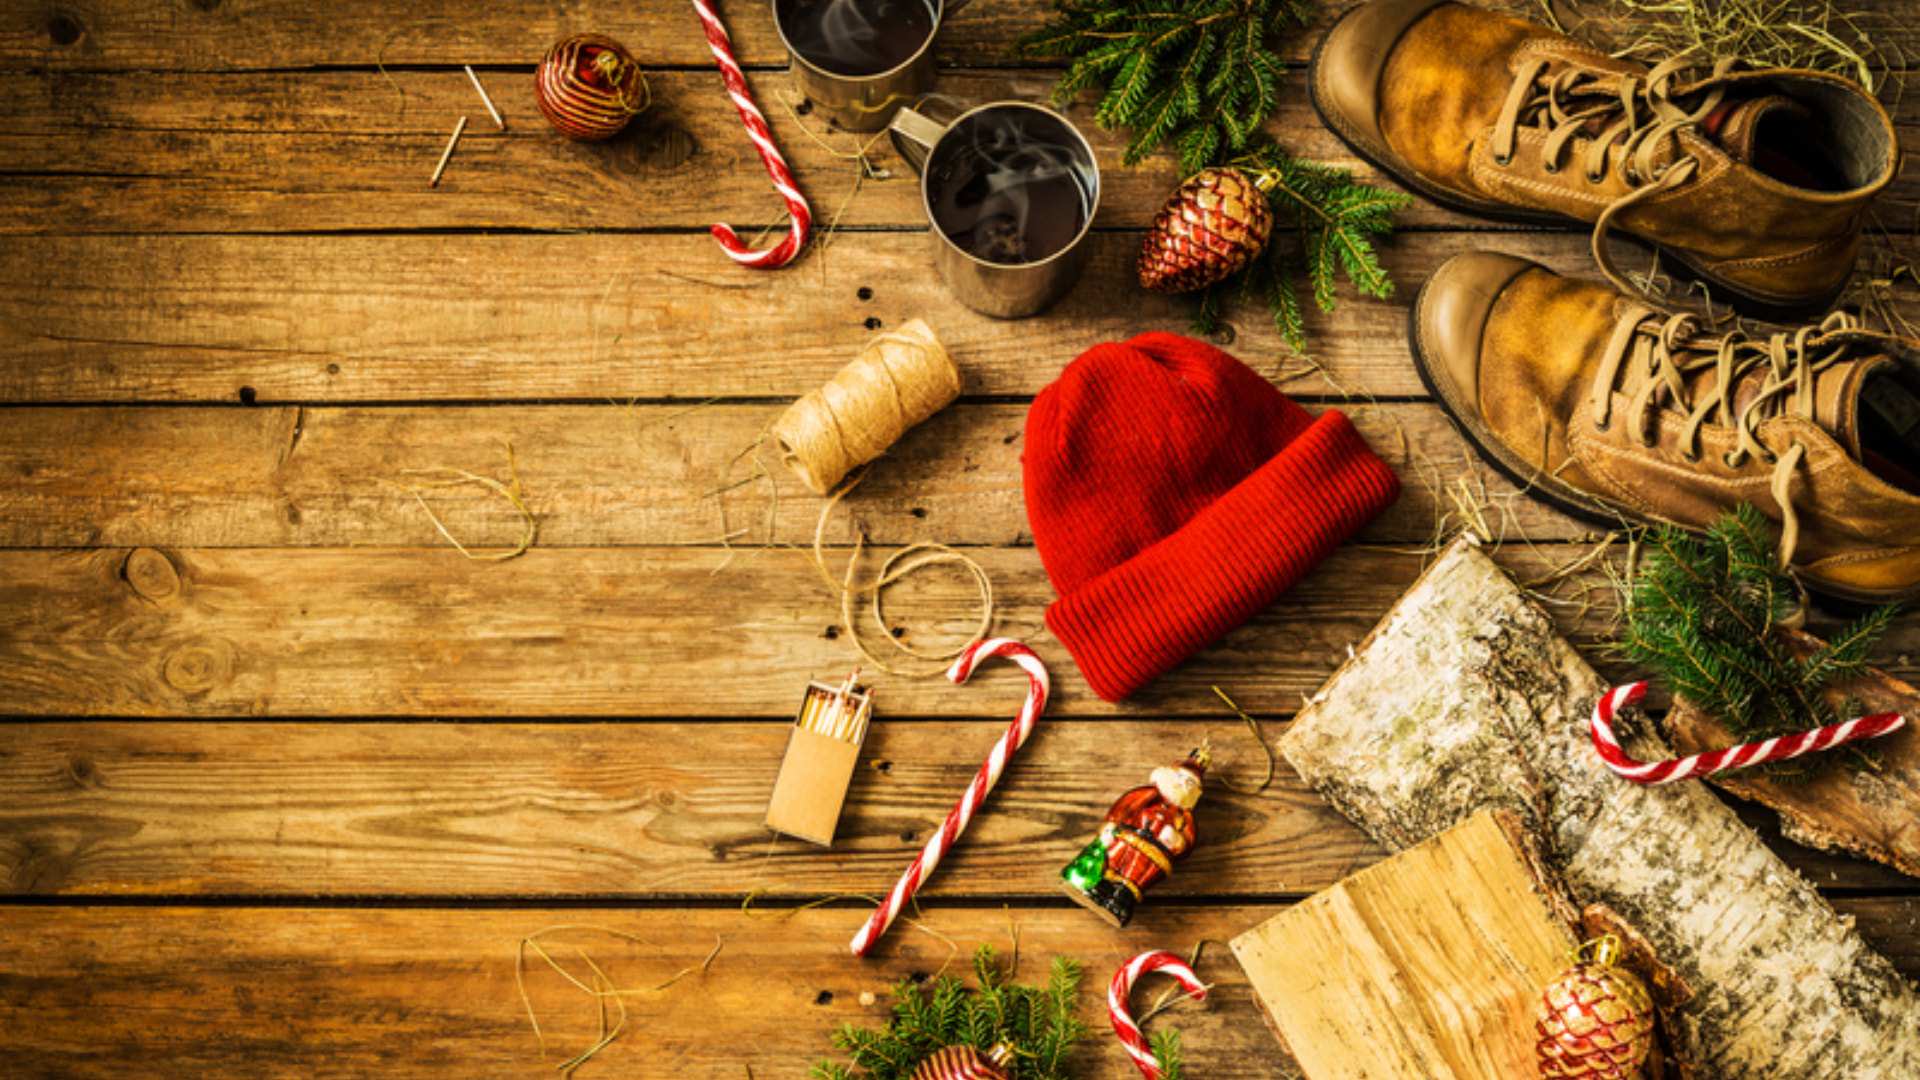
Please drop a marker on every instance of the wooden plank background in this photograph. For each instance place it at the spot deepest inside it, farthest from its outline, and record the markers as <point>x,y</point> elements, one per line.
<point>283,779</point>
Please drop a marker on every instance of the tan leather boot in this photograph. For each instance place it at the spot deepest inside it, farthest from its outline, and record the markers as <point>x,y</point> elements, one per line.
<point>1754,180</point>
<point>1619,412</point>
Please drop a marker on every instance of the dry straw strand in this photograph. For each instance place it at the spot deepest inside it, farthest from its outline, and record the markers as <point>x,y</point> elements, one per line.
<point>597,985</point>
<point>509,491</point>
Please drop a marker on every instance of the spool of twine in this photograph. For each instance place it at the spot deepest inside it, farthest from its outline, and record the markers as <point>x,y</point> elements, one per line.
<point>899,379</point>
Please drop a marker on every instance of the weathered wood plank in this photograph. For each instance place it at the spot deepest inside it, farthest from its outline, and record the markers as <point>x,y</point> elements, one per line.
<point>277,152</point>
<point>669,809</point>
<point>315,993</point>
<point>300,152</point>
<point>115,35</point>
<point>605,810</point>
<point>602,632</point>
<point>596,317</point>
<point>609,475</point>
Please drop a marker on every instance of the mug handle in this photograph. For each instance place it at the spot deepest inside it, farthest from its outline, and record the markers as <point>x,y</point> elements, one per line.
<point>914,136</point>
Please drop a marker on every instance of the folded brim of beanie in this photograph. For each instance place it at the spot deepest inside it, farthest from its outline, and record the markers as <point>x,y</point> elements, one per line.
<point>1138,620</point>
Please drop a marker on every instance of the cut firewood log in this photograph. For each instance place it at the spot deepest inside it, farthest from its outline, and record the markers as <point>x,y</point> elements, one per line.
<point>1426,966</point>
<point>1465,697</point>
<point>1871,811</point>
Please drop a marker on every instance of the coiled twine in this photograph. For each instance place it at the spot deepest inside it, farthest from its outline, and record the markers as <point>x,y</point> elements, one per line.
<point>899,379</point>
<point>589,86</point>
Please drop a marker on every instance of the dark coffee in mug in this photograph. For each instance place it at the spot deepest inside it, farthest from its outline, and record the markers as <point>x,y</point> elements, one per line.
<point>1010,185</point>
<point>856,37</point>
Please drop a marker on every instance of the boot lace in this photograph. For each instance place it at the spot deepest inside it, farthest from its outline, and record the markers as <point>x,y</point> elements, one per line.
<point>1670,350</point>
<point>1634,124</point>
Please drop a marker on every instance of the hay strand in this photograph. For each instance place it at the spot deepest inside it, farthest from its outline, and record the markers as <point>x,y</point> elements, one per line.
<point>510,491</point>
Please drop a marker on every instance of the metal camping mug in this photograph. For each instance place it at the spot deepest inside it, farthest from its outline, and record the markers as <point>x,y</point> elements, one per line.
<point>1004,290</point>
<point>863,102</point>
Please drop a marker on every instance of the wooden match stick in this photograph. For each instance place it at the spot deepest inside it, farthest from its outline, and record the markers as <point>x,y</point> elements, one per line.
<point>484,99</point>
<point>447,154</point>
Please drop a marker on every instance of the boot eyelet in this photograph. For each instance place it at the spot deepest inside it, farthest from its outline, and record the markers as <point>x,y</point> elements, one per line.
<point>1549,167</point>
<point>1729,460</point>
<point>1595,178</point>
<point>1603,424</point>
<point>1503,160</point>
<point>1690,457</point>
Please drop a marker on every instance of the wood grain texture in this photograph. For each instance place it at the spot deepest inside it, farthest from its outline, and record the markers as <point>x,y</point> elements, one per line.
<point>1425,966</point>
<point>606,475</point>
<point>605,810</point>
<point>463,317</point>
<point>618,811</point>
<point>670,632</point>
<point>331,150</point>
<point>212,35</point>
<point>585,632</point>
<point>239,992</point>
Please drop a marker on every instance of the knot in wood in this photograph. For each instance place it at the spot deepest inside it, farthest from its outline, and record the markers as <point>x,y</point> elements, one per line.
<point>151,574</point>
<point>197,668</point>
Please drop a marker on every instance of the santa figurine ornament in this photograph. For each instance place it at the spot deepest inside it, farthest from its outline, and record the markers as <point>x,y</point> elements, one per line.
<point>1147,830</point>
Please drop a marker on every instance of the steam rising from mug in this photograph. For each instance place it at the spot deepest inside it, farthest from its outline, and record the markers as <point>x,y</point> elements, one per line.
<point>1010,186</point>
<point>856,37</point>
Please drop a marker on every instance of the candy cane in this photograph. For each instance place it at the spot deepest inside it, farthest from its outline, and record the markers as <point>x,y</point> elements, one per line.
<point>1778,748</point>
<point>783,252</point>
<point>1016,736</point>
<point>1122,986</point>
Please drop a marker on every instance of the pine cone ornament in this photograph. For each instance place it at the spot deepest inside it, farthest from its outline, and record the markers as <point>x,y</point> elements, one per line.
<point>965,1063</point>
<point>1595,1020</point>
<point>1214,223</point>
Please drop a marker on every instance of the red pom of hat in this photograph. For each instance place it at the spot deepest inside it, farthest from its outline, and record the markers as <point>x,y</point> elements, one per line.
<point>1173,493</point>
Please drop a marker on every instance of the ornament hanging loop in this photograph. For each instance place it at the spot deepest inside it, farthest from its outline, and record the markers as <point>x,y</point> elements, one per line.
<point>1602,951</point>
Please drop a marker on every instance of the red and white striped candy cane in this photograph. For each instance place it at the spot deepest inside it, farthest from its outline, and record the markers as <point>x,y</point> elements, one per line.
<point>1016,735</point>
<point>783,252</point>
<point>1778,748</point>
<point>1122,1014</point>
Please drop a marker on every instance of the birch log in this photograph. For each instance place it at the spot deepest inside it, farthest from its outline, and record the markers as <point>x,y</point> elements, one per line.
<point>1465,696</point>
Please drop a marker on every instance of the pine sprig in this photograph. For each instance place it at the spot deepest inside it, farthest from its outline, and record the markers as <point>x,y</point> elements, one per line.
<point>1706,613</point>
<point>1166,1051</point>
<point>1040,1023</point>
<point>1172,69</point>
<point>1203,77</point>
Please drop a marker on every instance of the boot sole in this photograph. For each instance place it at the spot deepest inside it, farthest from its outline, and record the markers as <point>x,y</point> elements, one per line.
<point>1530,481</point>
<point>1768,308</point>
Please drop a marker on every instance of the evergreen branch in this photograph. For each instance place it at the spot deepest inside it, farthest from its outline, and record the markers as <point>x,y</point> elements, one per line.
<point>1040,1023</point>
<point>1203,78</point>
<point>1706,614</point>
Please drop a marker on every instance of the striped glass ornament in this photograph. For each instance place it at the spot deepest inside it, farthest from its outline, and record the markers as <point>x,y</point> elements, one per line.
<point>965,1063</point>
<point>589,86</point>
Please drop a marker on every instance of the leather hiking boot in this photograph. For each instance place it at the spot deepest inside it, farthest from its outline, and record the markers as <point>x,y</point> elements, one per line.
<point>1754,180</point>
<point>1616,411</point>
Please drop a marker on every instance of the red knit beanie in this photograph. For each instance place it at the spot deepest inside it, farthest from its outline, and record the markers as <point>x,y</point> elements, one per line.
<point>1173,493</point>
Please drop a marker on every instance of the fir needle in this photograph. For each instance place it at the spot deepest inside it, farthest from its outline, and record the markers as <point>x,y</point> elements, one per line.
<point>484,99</point>
<point>447,154</point>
